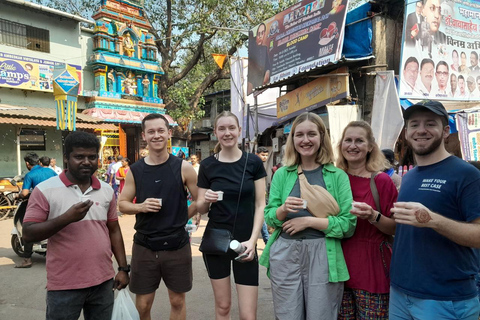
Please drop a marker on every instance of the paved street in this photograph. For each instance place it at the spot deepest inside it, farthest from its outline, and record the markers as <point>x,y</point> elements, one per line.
<point>23,290</point>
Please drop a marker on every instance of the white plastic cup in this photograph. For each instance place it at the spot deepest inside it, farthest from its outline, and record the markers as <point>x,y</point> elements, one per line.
<point>191,227</point>
<point>304,204</point>
<point>160,201</point>
<point>220,195</point>
<point>237,247</point>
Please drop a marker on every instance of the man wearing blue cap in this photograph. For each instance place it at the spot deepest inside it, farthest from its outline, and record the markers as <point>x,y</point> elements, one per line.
<point>434,260</point>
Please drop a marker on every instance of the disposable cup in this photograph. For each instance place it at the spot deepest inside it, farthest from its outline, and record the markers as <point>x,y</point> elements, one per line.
<point>160,200</point>
<point>304,204</point>
<point>220,195</point>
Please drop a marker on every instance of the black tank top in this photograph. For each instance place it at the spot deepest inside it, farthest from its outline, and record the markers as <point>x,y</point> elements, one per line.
<point>161,181</point>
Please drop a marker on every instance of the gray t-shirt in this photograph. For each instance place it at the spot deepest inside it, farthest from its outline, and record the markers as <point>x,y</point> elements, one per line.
<point>314,177</point>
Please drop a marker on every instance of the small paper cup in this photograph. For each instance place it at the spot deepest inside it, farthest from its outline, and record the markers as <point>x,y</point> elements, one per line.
<point>220,195</point>
<point>304,204</point>
<point>160,200</point>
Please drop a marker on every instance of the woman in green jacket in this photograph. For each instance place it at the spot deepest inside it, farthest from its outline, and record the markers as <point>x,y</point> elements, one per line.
<point>304,255</point>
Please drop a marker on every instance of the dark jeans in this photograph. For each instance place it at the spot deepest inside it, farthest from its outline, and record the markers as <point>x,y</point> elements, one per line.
<point>265,234</point>
<point>20,214</point>
<point>96,302</point>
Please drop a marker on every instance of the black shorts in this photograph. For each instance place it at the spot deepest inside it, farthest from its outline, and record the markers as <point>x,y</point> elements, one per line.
<point>219,266</point>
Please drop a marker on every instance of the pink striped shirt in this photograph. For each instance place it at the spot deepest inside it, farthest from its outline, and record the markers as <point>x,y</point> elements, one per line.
<point>79,255</point>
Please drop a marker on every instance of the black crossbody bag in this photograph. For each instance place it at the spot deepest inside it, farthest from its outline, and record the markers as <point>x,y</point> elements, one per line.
<point>217,241</point>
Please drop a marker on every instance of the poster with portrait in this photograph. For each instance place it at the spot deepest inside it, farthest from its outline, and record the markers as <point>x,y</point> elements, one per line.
<point>441,47</point>
<point>29,73</point>
<point>303,37</point>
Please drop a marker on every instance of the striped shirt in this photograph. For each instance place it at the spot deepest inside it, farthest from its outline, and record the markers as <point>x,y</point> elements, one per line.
<point>80,254</point>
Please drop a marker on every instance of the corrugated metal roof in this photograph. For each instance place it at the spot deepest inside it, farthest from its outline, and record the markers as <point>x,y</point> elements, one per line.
<point>53,123</point>
<point>46,117</point>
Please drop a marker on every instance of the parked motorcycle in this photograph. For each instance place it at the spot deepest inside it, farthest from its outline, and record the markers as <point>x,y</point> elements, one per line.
<point>8,195</point>
<point>17,242</point>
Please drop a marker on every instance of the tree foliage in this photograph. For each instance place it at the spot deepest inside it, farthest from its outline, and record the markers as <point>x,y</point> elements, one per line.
<point>187,32</point>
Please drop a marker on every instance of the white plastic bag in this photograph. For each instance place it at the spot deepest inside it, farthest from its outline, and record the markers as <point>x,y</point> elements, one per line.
<point>124,308</point>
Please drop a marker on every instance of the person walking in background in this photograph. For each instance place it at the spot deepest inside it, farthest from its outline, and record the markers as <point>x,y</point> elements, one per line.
<point>110,178</point>
<point>54,167</point>
<point>195,163</point>
<point>161,248</point>
<point>240,212</point>
<point>39,172</point>
<point>390,156</point>
<point>367,252</point>
<point>113,172</point>
<point>76,212</point>
<point>435,253</point>
<point>122,173</point>
<point>262,153</point>
<point>304,255</point>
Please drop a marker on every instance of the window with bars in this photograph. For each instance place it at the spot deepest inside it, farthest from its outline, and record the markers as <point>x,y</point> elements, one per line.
<point>21,35</point>
<point>32,139</point>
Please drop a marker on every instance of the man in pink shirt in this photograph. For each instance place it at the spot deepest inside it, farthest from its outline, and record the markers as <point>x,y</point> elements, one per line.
<point>77,213</point>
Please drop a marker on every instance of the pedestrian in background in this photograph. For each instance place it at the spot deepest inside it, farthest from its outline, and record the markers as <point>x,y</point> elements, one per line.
<point>390,170</point>
<point>113,172</point>
<point>122,173</point>
<point>367,252</point>
<point>304,254</point>
<point>111,162</point>
<point>77,213</point>
<point>223,172</point>
<point>54,167</point>
<point>39,172</point>
<point>262,153</point>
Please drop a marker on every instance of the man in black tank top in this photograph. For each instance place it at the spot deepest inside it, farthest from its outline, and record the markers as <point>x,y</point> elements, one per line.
<point>161,248</point>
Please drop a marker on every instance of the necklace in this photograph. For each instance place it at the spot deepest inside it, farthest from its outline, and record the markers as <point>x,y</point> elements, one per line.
<point>362,174</point>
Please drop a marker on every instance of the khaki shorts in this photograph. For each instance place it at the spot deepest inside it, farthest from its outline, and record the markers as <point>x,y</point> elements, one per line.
<point>150,267</point>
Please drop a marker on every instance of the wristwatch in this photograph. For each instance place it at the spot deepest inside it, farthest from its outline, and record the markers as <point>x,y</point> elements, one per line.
<point>377,218</point>
<point>126,269</point>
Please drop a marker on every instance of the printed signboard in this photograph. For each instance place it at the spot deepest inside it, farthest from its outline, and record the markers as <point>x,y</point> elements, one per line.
<point>29,73</point>
<point>441,44</point>
<point>313,95</point>
<point>305,36</point>
<point>468,125</point>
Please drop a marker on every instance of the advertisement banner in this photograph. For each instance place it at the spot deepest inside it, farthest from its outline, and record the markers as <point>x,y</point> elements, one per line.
<point>468,125</point>
<point>313,95</point>
<point>441,44</point>
<point>29,73</point>
<point>303,37</point>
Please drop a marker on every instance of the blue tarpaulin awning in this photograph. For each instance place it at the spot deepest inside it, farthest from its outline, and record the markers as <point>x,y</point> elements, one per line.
<point>358,35</point>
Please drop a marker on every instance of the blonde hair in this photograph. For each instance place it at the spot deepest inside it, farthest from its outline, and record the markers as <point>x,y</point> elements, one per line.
<point>375,161</point>
<point>223,114</point>
<point>325,152</point>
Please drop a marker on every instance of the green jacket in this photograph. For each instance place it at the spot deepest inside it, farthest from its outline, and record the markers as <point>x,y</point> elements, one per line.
<point>339,226</point>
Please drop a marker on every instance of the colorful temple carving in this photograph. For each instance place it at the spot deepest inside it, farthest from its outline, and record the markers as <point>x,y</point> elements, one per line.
<point>125,56</point>
<point>126,68</point>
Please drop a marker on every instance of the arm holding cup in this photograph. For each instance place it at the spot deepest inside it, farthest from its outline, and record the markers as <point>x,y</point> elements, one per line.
<point>125,200</point>
<point>205,198</point>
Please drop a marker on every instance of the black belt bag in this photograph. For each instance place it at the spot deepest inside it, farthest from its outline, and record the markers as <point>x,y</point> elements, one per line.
<point>162,243</point>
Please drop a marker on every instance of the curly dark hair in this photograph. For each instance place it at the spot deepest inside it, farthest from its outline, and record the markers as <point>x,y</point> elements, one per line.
<point>80,139</point>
